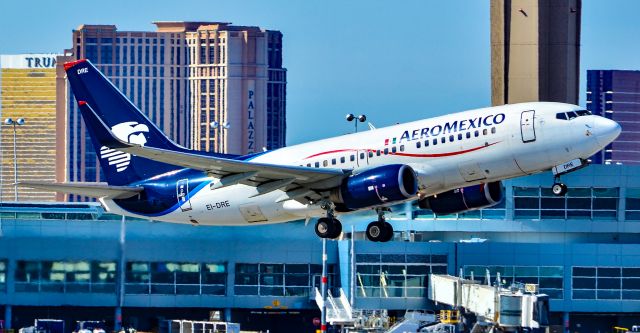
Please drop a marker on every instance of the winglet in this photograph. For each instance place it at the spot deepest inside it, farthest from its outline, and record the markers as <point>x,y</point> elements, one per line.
<point>70,64</point>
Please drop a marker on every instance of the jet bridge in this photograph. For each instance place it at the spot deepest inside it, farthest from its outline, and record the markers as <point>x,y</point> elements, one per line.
<point>493,305</point>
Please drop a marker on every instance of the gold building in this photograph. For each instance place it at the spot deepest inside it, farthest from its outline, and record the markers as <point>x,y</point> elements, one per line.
<point>28,91</point>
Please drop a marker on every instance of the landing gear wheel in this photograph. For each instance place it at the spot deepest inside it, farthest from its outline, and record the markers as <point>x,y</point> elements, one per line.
<point>559,189</point>
<point>328,228</point>
<point>376,231</point>
<point>388,232</point>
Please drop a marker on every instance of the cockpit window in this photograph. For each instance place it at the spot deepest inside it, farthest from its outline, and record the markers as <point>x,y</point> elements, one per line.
<point>572,114</point>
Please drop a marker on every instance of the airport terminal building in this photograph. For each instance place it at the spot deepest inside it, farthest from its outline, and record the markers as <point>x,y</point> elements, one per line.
<point>76,262</point>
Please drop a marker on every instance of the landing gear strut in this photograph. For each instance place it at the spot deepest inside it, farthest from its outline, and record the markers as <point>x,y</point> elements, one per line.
<point>380,230</point>
<point>328,227</point>
<point>558,188</point>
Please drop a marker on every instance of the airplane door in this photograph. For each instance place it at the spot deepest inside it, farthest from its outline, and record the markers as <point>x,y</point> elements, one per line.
<point>182,194</point>
<point>527,127</point>
<point>362,157</point>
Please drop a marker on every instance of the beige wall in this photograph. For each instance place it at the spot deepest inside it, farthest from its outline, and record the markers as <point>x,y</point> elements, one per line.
<point>535,50</point>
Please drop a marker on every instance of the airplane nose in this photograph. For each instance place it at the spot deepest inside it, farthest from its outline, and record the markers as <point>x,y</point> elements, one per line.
<point>606,130</point>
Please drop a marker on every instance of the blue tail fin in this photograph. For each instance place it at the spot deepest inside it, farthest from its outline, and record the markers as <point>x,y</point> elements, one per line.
<point>123,118</point>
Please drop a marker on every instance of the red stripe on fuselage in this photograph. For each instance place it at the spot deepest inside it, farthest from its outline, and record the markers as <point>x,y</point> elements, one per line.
<point>453,153</point>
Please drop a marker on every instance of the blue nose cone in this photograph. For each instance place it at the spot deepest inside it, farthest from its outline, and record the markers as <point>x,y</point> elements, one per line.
<point>606,130</point>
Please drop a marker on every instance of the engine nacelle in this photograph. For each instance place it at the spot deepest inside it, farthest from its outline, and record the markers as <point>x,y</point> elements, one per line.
<point>381,185</point>
<point>464,199</point>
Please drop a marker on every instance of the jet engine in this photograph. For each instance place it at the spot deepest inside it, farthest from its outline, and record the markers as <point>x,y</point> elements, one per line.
<point>464,199</point>
<point>381,185</point>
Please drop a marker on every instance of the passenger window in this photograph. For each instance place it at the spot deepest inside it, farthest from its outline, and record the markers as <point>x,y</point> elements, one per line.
<point>386,151</point>
<point>477,134</point>
<point>468,135</point>
<point>401,147</point>
<point>333,161</point>
<point>493,130</point>
<point>459,136</point>
<point>418,144</point>
<point>342,159</point>
<point>393,149</point>
<point>325,163</point>
<point>484,131</point>
<point>561,115</point>
<point>352,158</point>
<point>443,140</point>
<point>317,164</point>
<point>362,156</point>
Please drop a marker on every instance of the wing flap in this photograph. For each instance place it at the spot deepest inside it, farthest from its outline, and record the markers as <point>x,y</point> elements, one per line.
<point>94,190</point>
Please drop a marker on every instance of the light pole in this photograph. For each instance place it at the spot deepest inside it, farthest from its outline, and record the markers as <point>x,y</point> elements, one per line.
<point>224,126</point>
<point>361,118</point>
<point>19,121</point>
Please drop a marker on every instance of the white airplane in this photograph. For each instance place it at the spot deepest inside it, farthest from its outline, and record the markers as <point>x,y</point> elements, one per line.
<point>451,163</point>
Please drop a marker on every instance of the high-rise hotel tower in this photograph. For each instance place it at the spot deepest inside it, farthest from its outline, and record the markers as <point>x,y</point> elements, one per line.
<point>209,86</point>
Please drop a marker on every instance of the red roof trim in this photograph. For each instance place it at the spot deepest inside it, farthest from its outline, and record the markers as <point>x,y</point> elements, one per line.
<point>70,64</point>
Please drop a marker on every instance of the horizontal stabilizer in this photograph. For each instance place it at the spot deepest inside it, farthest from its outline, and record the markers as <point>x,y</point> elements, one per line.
<point>94,190</point>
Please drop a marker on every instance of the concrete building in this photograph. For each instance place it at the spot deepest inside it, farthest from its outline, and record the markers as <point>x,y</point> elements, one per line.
<point>28,91</point>
<point>535,50</point>
<point>184,77</point>
<point>615,94</point>
<point>70,261</point>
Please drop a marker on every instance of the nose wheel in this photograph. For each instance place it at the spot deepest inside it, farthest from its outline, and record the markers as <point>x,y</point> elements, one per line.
<point>558,188</point>
<point>380,230</point>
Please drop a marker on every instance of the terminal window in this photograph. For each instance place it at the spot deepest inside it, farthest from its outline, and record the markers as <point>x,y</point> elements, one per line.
<point>632,198</point>
<point>65,276</point>
<point>591,203</point>
<point>548,278</point>
<point>396,275</point>
<point>175,278</point>
<point>279,279</point>
<point>606,283</point>
<point>3,275</point>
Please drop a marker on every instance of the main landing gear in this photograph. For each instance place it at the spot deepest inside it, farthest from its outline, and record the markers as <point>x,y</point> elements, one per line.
<point>380,230</point>
<point>328,227</point>
<point>558,188</point>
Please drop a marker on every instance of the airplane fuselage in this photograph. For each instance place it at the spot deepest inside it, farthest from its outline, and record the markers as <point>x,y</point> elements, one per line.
<point>446,152</point>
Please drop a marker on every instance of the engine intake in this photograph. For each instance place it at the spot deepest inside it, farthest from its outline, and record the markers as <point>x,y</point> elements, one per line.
<point>384,184</point>
<point>464,199</point>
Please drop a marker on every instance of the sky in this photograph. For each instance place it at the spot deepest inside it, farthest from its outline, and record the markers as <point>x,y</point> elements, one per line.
<point>394,61</point>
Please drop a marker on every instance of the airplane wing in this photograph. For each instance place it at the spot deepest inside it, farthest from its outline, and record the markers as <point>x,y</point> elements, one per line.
<point>297,181</point>
<point>94,190</point>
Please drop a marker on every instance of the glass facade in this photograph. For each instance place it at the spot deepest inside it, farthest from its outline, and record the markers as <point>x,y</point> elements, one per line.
<point>632,204</point>
<point>65,276</point>
<point>590,203</point>
<point>173,278</point>
<point>279,279</point>
<point>548,278</point>
<point>396,275</point>
<point>3,275</point>
<point>606,283</point>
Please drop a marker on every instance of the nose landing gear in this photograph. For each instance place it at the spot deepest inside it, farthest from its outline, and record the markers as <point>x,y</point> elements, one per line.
<point>380,230</point>
<point>558,188</point>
